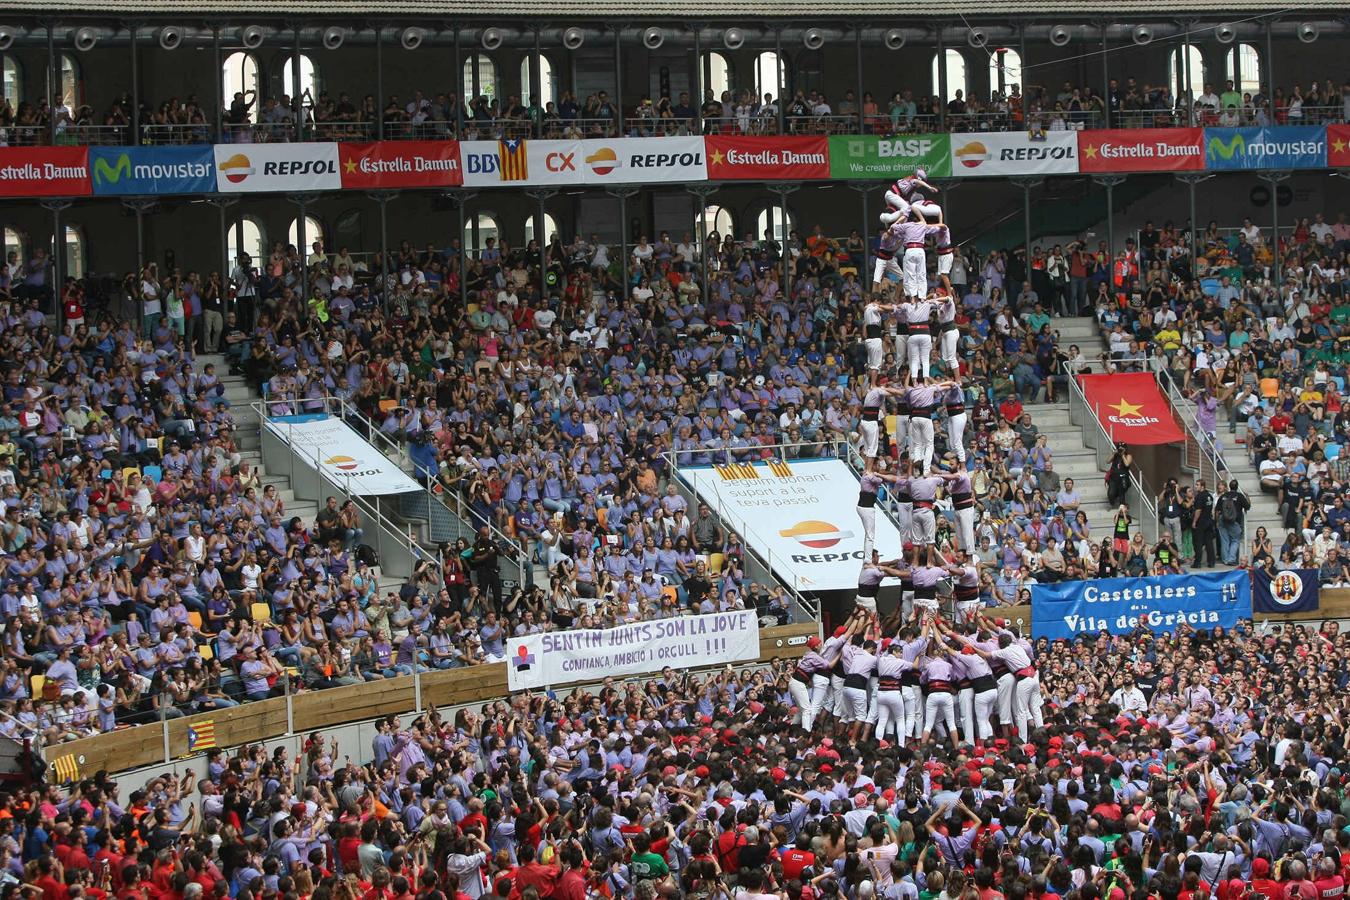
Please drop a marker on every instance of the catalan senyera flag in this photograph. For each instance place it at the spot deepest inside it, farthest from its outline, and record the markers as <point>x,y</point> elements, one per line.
<point>67,768</point>
<point>514,163</point>
<point>201,735</point>
<point>736,471</point>
<point>780,468</point>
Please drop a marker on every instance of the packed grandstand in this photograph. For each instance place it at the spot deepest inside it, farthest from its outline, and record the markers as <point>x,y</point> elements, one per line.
<point>958,550</point>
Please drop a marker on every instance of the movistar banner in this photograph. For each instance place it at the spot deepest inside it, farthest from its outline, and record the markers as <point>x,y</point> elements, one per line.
<point>131,171</point>
<point>1285,147</point>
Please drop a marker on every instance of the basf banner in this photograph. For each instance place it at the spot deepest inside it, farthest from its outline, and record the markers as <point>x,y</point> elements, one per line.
<point>250,168</point>
<point>767,157</point>
<point>1286,147</point>
<point>341,455</point>
<point>563,657</point>
<point>399,164</point>
<point>1142,150</point>
<point>138,171</point>
<point>1338,146</point>
<point>889,158</point>
<point>1160,603</point>
<point>44,171</point>
<point>800,516</point>
<point>643,160</point>
<point>1014,153</point>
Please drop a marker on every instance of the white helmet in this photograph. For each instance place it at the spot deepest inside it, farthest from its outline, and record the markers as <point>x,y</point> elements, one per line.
<point>920,174</point>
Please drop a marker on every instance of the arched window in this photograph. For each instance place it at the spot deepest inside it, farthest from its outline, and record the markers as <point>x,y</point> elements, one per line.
<point>1005,70</point>
<point>480,76</point>
<point>247,237</point>
<point>1242,66</point>
<point>550,229</point>
<point>714,75</point>
<point>75,252</point>
<point>1182,81</point>
<point>313,232</point>
<point>71,93</point>
<point>717,219</point>
<point>956,75</point>
<point>477,231</point>
<point>239,75</point>
<point>772,217</point>
<point>770,74</point>
<point>309,78</point>
<point>13,84</point>
<point>14,243</point>
<point>548,82</point>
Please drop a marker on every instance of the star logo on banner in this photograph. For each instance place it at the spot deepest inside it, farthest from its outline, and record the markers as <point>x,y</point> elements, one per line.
<point>717,157</point>
<point>1090,151</point>
<point>1338,146</point>
<point>1125,409</point>
<point>350,166</point>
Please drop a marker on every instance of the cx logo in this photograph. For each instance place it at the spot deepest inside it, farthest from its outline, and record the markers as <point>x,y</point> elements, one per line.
<point>560,162</point>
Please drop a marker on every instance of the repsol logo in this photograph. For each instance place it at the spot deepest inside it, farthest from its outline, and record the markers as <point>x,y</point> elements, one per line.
<point>284,168</point>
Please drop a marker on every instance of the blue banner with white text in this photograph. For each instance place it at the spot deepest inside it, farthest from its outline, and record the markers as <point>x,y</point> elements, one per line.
<point>142,171</point>
<point>1282,147</point>
<point>1120,605</point>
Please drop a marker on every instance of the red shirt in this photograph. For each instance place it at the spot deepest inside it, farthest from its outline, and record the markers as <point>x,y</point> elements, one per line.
<point>1330,888</point>
<point>52,889</point>
<point>571,886</point>
<point>795,860</point>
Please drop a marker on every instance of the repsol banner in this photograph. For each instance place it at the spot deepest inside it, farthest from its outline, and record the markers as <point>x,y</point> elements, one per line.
<point>563,657</point>
<point>799,515</point>
<point>1161,603</point>
<point>250,168</point>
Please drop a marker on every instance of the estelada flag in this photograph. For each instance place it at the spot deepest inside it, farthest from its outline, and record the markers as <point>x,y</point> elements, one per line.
<point>201,735</point>
<point>1131,408</point>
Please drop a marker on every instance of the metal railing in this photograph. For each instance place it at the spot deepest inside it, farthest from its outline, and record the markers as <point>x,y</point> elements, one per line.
<point>257,132</point>
<point>1097,439</point>
<point>162,135</point>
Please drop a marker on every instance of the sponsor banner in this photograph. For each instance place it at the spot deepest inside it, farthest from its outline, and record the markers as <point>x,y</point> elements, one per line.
<point>399,164</point>
<point>138,171</point>
<point>1284,147</point>
<point>1131,408</point>
<point>1014,153</point>
<point>801,516</point>
<point>1142,150</point>
<point>1290,591</point>
<point>563,657</point>
<point>890,158</point>
<point>799,158</point>
<point>1160,604</point>
<point>44,171</point>
<point>643,160</point>
<point>517,162</point>
<point>250,168</point>
<point>341,455</point>
<point>1338,146</point>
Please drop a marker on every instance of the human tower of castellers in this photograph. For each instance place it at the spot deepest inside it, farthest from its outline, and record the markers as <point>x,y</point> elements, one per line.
<point>920,671</point>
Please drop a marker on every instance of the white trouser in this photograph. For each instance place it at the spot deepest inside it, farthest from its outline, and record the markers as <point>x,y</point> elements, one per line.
<point>965,711</point>
<point>891,715</point>
<point>874,349</point>
<point>871,437</point>
<point>945,259</point>
<point>939,704</point>
<point>929,210</point>
<point>907,597</point>
<point>956,434</point>
<point>897,209</point>
<point>868,516</point>
<point>984,710</point>
<point>915,269</point>
<point>947,350</point>
<point>801,698</point>
<point>901,350</point>
<point>966,610</point>
<point>837,705</point>
<point>920,347</point>
<point>904,519</point>
<point>965,528</point>
<point>1005,698</point>
<point>920,443</point>
<point>922,531</point>
<point>872,711</point>
<point>867,603</point>
<point>886,270</point>
<point>1026,709</point>
<point>855,704</point>
<point>913,709</point>
<point>901,436</point>
<point>820,692</point>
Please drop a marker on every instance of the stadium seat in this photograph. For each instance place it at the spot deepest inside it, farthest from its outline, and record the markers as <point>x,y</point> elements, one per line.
<point>260,612</point>
<point>206,652</point>
<point>154,473</point>
<point>387,405</point>
<point>36,683</point>
<point>672,592</point>
<point>602,516</point>
<point>195,619</point>
<point>128,472</point>
<point>715,561</point>
<point>1333,452</point>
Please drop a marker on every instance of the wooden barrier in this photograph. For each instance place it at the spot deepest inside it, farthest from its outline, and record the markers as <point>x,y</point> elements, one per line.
<point>261,720</point>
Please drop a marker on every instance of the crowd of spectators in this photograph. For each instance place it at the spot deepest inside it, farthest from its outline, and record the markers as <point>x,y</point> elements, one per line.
<point>341,115</point>
<point>1199,764</point>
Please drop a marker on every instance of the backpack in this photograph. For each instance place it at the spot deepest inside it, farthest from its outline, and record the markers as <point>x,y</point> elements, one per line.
<point>1229,508</point>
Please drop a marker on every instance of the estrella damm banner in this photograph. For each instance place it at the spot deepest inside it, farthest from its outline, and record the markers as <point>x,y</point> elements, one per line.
<point>1285,147</point>
<point>137,171</point>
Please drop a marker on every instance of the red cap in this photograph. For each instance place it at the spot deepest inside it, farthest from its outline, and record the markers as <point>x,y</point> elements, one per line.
<point>701,771</point>
<point>967,651</point>
<point>669,770</point>
<point>777,773</point>
<point>826,768</point>
<point>860,800</point>
<point>1260,867</point>
<point>976,779</point>
<point>812,642</point>
<point>839,632</point>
